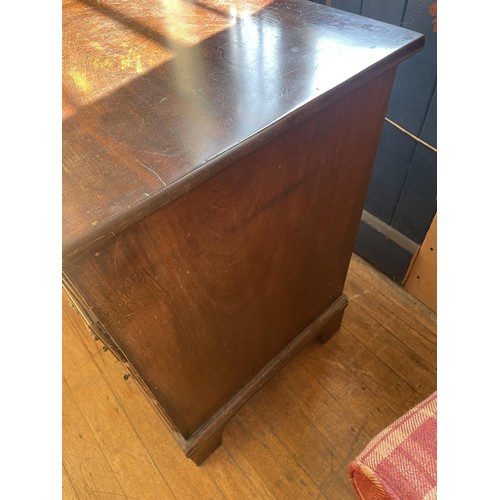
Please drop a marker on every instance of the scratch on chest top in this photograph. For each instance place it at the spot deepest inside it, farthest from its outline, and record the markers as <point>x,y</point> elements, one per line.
<point>153,172</point>
<point>114,256</point>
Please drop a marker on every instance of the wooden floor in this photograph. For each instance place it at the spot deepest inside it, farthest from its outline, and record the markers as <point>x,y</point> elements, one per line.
<point>292,440</point>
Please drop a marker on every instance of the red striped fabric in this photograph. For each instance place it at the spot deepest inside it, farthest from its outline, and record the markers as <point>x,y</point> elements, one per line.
<point>401,461</point>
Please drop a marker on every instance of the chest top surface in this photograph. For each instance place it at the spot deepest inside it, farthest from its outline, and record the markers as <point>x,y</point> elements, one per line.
<point>158,95</point>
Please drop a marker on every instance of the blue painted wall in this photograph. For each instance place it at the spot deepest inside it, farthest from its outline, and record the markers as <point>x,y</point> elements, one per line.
<point>403,190</point>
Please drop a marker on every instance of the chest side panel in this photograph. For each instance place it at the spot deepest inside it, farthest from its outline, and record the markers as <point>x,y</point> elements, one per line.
<point>207,290</point>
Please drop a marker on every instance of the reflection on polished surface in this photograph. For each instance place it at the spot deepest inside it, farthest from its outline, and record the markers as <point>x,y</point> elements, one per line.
<point>153,90</point>
<point>107,43</point>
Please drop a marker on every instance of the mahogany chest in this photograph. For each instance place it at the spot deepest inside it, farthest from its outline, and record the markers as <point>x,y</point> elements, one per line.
<point>216,156</point>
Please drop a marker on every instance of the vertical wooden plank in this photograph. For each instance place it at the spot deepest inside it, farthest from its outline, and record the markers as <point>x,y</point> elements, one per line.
<point>393,159</point>
<point>402,190</point>
<point>388,11</point>
<point>418,201</point>
<point>416,77</point>
<point>384,247</point>
<point>429,131</point>
<point>353,6</point>
<point>422,279</point>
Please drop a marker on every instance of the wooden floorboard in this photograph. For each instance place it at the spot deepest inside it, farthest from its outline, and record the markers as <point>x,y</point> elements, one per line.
<point>293,439</point>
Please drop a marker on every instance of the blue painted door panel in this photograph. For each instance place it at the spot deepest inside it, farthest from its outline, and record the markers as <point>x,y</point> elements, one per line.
<point>429,132</point>
<point>353,6</point>
<point>416,77</point>
<point>394,155</point>
<point>417,204</point>
<point>388,11</point>
<point>402,192</point>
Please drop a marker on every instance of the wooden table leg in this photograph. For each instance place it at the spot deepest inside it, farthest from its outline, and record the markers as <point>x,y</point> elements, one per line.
<point>207,447</point>
<point>331,327</point>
